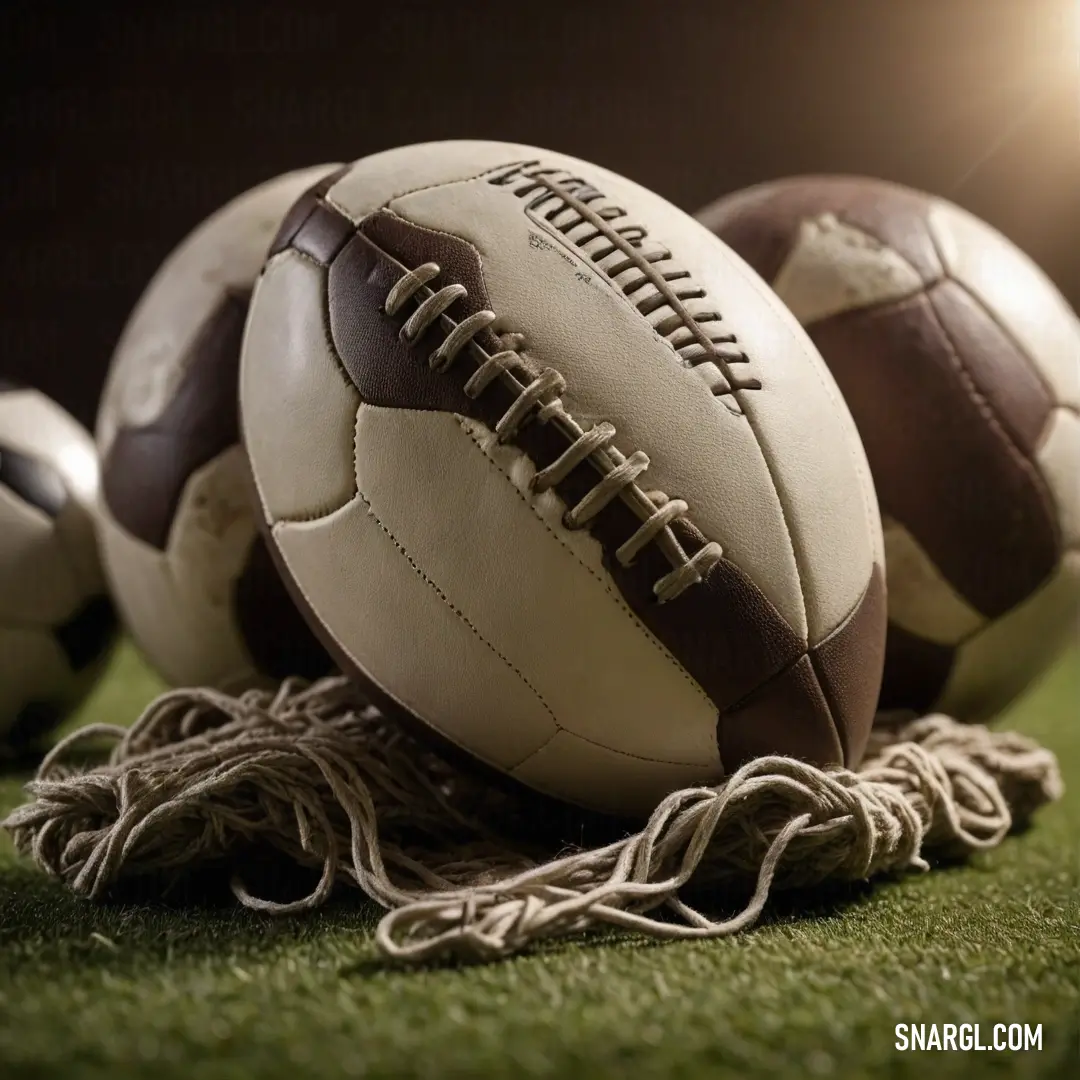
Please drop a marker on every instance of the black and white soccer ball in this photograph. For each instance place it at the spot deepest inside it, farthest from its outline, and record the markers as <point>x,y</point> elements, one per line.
<point>193,581</point>
<point>56,621</point>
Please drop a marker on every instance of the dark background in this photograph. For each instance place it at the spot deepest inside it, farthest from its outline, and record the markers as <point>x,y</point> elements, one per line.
<point>123,126</point>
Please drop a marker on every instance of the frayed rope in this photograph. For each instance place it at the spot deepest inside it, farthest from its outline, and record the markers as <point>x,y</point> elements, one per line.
<point>316,773</point>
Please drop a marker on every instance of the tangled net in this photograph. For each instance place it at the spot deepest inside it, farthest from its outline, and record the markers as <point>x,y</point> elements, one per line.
<point>320,776</point>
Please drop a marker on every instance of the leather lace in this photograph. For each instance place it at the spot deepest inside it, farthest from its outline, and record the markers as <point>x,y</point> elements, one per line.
<point>645,271</point>
<point>540,399</point>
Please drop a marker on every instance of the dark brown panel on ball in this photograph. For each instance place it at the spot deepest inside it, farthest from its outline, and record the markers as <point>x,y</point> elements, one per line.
<point>277,637</point>
<point>323,234</point>
<point>967,494</point>
<point>146,468</point>
<point>1016,396</point>
<point>386,370</point>
<point>916,671</point>
<point>414,245</point>
<point>762,223</point>
<point>790,712</point>
<point>723,631</point>
<point>848,665</point>
<point>302,209</point>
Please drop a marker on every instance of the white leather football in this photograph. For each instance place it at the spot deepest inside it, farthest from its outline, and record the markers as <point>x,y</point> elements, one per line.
<point>551,470</point>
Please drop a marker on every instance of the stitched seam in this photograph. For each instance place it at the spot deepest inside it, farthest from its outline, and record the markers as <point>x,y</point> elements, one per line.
<point>830,710</point>
<point>835,710</point>
<point>326,509</point>
<point>620,753</point>
<point>608,588</point>
<point>779,674</point>
<point>808,652</point>
<point>986,410</point>
<point>446,183</point>
<point>532,753</point>
<point>402,194</point>
<point>621,298</point>
<point>871,512</point>
<point>1011,338</point>
<point>876,306</point>
<point>949,276</point>
<point>861,465</point>
<point>862,469</point>
<point>444,598</point>
<point>442,232</point>
<point>454,608</point>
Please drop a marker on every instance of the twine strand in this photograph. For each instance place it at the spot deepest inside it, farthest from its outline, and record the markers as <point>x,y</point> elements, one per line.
<point>316,774</point>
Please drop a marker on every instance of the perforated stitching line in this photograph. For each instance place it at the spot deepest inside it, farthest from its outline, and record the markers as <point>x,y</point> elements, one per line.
<point>623,753</point>
<point>613,593</point>
<point>400,195</point>
<point>419,571</point>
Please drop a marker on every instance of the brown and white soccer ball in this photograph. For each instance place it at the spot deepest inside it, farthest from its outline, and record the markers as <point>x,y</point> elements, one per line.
<point>56,621</point>
<point>961,364</point>
<point>181,546</point>
<point>553,471</point>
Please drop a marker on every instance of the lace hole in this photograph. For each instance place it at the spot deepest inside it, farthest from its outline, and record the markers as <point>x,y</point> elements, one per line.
<point>568,522</point>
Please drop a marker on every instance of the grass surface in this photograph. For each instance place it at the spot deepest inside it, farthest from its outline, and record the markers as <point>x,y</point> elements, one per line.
<point>147,990</point>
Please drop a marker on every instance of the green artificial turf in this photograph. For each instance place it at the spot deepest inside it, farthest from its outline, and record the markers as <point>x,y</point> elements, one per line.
<point>148,990</point>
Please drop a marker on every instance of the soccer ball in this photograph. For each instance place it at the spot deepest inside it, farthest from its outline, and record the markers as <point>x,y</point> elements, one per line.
<point>193,581</point>
<point>56,623</point>
<point>556,475</point>
<point>961,364</point>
